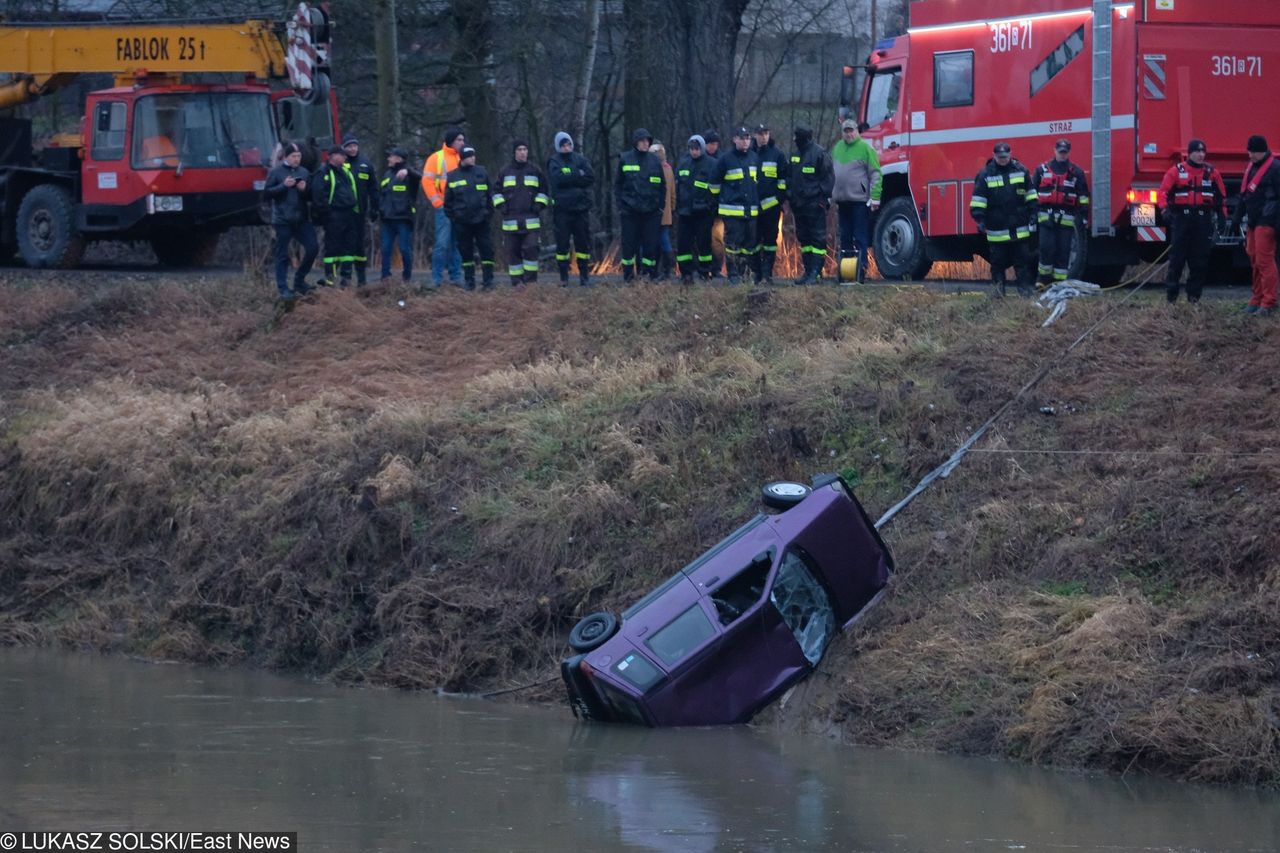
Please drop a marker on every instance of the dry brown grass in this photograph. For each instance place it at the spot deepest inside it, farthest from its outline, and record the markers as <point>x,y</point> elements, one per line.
<point>431,496</point>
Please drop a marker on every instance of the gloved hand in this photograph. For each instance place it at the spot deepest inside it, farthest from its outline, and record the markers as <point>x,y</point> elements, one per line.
<point>982,227</point>
<point>1166,217</point>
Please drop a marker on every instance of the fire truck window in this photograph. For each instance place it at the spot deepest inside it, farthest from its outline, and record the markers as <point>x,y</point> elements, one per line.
<point>882,99</point>
<point>953,78</point>
<point>1055,62</point>
<point>108,131</point>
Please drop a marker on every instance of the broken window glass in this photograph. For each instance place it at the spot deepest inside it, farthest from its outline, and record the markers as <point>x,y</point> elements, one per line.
<point>741,592</point>
<point>804,605</point>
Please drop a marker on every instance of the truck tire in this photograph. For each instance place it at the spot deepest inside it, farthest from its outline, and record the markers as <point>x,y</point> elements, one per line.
<point>185,250</point>
<point>783,494</point>
<point>899,242</point>
<point>47,234</point>
<point>592,632</point>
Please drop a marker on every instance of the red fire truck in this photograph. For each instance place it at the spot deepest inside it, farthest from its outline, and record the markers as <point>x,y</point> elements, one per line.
<point>1129,83</point>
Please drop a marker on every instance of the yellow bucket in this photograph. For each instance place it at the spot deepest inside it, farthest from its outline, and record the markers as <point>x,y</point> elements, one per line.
<point>849,269</point>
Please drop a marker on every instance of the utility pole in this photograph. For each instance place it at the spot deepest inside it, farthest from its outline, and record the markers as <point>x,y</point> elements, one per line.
<point>874,20</point>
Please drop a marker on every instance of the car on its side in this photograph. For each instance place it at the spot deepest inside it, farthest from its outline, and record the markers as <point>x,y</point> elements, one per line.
<point>731,631</point>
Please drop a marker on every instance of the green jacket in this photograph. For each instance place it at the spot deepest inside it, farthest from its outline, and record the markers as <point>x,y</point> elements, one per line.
<point>857,171</point>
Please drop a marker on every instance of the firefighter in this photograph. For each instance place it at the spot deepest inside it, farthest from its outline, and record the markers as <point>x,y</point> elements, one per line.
<point>711,139</point>
<point>569,177</point>
<point>1063,193</point>
<point>397,208</point>
<point>695,211</point>
<point>435,170</point>
<point>772,186</point>
<point>856,192</point>
<point>809,191</point>
<point>468,202</point>
<point>336,195</point>
<point>520,198</point>
<point>1260,202</point>
<point>1191,195</point>
<point>1004,206</point>
<point>638,190</point>
<point>738,203</point>
<point>366,186</point>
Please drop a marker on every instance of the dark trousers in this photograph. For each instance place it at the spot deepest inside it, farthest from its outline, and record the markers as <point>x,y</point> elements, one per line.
<point>522,254</point>
<point>473,237</point>
<point>1055,248</point>
<point>739,243</point>
<point>1190,242</point>
<point>572,225</point>
<point>305,233</point>
<point>693,244</point>
<point>767,240</point>
<point>341,242</point>
<point>362,251</point>
<point>640,235</point>
<point>394,231</point>
<point>811,231</point>
<point>855,230</point>
<point>1011,253</point>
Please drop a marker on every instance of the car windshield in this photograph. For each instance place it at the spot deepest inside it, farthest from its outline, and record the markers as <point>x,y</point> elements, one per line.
<point>202,130</point>
<point>804,605</point>
<point>682,635</point>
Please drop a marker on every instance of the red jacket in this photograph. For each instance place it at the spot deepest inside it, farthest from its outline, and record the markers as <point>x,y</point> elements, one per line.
<point>1189,185</point>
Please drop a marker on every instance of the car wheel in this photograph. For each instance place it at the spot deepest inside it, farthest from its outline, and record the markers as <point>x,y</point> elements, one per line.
<point>899,242</point>
<point>593,631</point>
<point>47,235</point>
<point>783,494</point>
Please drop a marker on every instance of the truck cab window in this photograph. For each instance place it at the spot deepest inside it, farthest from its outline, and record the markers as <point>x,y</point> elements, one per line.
<point>953,78</point>
<point>108,131</point>
<point>882,96</point>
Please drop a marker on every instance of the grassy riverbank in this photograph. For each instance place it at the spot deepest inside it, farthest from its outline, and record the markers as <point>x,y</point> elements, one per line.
<point>430,496</point>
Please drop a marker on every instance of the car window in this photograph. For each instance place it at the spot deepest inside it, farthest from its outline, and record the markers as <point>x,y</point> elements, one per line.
<point>804,605</point>
<point>882,100</point>
<point>682,635</point>
<point>636,669</point>
<point>741,592</point>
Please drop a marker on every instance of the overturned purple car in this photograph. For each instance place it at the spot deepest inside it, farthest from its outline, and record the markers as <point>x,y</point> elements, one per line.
<point>731,631</point>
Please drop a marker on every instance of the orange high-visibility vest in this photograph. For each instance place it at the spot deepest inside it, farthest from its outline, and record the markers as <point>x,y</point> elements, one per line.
<point>434,172</point>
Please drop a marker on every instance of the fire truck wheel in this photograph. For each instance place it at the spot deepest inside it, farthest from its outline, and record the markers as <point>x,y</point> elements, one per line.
<point>185,250</point>
<point>899,243</point>
<point>47,235</point>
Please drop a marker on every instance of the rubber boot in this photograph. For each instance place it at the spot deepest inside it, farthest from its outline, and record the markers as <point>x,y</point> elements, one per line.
<point>563,267</point>
<point>766,266</point>
<point>732,266</point>
<point>997,285</point>
<point>806,276</point>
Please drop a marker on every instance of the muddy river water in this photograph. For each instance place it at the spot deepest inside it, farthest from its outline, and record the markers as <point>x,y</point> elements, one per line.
<point>92,743</point>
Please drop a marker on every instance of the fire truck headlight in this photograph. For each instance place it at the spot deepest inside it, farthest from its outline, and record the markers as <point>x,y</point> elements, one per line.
<point>164,203</point>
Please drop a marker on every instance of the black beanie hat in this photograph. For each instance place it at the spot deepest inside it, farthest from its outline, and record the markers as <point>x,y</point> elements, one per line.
<point>467,151</point>
<point>1258,144</point>
<point>451,134</point>
<point>1196,145</point>
<point>516,143</point>
<point>338,149</point>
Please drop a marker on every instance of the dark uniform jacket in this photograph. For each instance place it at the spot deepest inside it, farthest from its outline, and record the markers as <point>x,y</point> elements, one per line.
<point>638,185</point>
<point>812,176</point>
<point>366,184</point>
<point>336,189</point>
<point>772,181</point>
<point>734,182</point>
<point>467,197</point>
<point>570,179</point>
<point>1004,201</point>
<point>398,199</point>
<point>288,204</point>
<point>1263,204</point>
<point>520,195</point>
<point>693,185</point>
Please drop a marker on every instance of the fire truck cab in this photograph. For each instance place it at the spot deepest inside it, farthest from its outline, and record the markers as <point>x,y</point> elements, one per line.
<point>1128,83</point>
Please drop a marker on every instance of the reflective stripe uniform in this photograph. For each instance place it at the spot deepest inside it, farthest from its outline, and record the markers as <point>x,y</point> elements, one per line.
<point>520,195</point>
<point>1004,205</point>
<point>1063,195</point>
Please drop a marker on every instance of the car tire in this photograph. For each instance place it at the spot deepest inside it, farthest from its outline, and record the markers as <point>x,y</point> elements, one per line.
<point>593,631</point>
<point>899,242</point>
<point>47,235</point>
<point>783,494</point>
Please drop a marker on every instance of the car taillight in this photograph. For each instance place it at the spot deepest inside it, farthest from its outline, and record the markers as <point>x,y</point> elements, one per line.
<point>585,668</point>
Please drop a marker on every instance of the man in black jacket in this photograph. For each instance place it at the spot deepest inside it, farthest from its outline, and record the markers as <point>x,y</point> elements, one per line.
<point>570,178</point>
<point>1004,206</point>
<point>468,202</point>
<point>738,203</point>
<point>772,185</point>
<point>287,188</point>
<point>809,190</point>
<point>695,211</point>
<point>520,196</point>
<point>638,189</point>
<point>398,207</point>
<point>336,195</point>
<point>366,185</point>
<point>1260,202</point>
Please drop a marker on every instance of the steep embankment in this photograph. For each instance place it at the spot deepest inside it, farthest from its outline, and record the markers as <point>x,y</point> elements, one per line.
<point>431,496</point>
